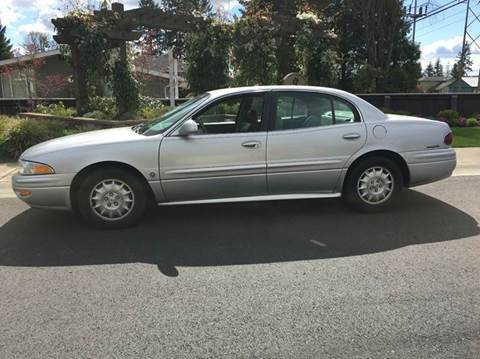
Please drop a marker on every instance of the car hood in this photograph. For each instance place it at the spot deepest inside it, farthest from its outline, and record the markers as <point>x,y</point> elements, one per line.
<point>92,138</point>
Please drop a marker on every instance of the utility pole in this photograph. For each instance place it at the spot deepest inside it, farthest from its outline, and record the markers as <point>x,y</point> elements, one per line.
<point>465,30</point>
<point>415,15</point>
<point>478,84</point>
<point>415,22</point>
<point>467,34</point>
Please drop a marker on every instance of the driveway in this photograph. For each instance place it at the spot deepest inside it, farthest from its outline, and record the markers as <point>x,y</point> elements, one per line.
<point>303,279</point>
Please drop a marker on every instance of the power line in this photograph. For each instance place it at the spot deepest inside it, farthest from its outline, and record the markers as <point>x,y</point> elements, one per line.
<point>438,28</point>
<point>439,10</point>
<point>444,19</point>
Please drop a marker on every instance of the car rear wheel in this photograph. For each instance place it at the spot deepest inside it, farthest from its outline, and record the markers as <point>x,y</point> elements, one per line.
<point>372,184</point>
<point>111,198</point>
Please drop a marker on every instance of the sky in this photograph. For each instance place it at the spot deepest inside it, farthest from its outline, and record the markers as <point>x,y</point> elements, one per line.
<point>439,36</point>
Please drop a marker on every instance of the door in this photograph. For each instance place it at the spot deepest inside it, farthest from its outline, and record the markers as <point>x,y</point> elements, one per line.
<point>226,158</point>
<point>311,139</point>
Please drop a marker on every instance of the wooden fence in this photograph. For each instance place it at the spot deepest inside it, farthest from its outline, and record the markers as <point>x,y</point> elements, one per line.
<point>427,105</point>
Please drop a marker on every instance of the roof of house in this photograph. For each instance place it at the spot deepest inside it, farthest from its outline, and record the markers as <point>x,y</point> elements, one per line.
<point>440,83</point>
<point>433,79</point>
<point>472,81</point>
<point>152,65</point>
<point>445,84</point>
<point>37,55</point>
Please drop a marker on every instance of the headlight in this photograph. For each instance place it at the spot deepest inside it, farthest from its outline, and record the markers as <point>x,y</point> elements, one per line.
<point>34,168</point>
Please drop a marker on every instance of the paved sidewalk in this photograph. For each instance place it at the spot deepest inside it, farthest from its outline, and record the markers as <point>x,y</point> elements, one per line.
<point>468,164</point>
<point>7,169</point>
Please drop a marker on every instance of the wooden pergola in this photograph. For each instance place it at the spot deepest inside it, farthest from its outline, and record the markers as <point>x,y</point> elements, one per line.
<point>127,28</point>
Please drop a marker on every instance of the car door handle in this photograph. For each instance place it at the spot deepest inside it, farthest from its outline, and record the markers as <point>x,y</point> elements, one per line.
<point>351,136</point>
<point>251,144</point>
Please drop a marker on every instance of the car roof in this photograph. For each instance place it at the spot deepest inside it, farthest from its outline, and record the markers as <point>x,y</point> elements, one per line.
<point>234,90</point>
<point>369,112</point>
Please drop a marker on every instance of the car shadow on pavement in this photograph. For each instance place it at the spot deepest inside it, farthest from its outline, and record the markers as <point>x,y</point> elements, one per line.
<point>237,233</point>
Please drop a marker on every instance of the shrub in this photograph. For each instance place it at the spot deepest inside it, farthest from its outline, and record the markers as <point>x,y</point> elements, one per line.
<point>105,108</point>
<point>102,108</point>
<point>472,122</point>
<point>150,108</point>
<point>17,134</point>
<point>460,122</point>
<point>476,116</point>
<point>57,109</point>
<point>451,116</point>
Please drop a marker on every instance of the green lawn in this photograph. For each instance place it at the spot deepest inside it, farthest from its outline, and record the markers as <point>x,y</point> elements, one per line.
<point>466,137</point>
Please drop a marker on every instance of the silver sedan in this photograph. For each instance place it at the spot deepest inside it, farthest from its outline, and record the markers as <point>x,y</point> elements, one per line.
<point>240,144</point>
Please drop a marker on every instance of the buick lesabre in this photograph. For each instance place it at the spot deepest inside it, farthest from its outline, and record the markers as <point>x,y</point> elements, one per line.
<point>238,144</point>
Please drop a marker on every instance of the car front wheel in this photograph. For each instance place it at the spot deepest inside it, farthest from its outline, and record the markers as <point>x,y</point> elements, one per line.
<point>372,184</point>
<point>111,198</point>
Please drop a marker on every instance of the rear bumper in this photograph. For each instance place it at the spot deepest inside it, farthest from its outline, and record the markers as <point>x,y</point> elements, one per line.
<point>430,166</point>
<point>48,191</point>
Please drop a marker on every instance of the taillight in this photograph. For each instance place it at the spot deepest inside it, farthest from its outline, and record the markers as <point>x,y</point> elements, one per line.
<point>448,139</point>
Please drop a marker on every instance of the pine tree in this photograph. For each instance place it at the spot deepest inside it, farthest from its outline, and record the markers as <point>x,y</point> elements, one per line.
<point>429,71</point>
<point>464,63</point>
<point>438,69</point>
<point>387,56</point>
<point>5,45</point>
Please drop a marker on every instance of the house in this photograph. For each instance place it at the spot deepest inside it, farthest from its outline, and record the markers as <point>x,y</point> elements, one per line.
<point>48,75</point>
<point>429,84</point>
<point>29,76</point>
<point>466,84</point>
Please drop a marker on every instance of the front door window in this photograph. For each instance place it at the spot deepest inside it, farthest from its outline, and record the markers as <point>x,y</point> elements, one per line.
<point>239,114</point>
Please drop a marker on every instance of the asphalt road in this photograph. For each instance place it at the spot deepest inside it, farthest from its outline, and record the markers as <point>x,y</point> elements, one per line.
<point>298,279</point>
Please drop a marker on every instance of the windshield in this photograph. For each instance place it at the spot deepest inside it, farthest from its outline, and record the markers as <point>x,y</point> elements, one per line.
<point>163,123</point>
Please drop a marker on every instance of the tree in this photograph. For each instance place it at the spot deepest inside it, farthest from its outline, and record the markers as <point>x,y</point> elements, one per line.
<point>389,54</point>
<point>464,63</point>
<point>315,52</point>
<point>5,45</point>
<point>429,71</point>
<point>51,84</point>
<point>351,49</point>
<point>284,42</point>
<point>254,64</point>
<point>148,4</point>
<point>206,56</point>
<point>36,41</point>
<point>438,69</point>
<point>164,40</point>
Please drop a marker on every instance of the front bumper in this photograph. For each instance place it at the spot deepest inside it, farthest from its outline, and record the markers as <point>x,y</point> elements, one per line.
<point>44,191</point>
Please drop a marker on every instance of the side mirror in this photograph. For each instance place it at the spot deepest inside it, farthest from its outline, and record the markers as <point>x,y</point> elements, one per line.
<point>189,127</point>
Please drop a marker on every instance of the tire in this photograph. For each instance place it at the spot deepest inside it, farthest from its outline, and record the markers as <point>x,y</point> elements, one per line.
<point>111,198</point>
<point>372,184</point>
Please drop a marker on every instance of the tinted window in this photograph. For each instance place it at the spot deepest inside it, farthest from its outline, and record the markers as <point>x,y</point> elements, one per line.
<point>234,114</point>
<point>303,110</point>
